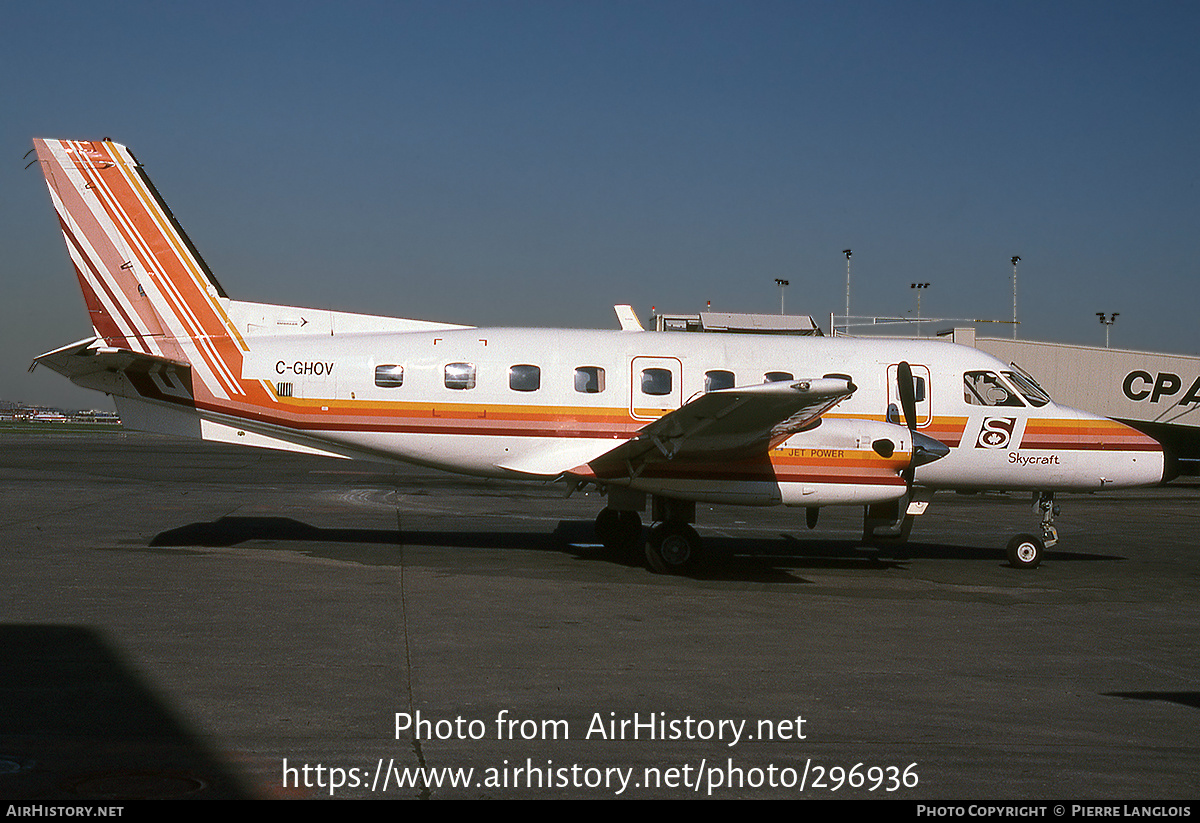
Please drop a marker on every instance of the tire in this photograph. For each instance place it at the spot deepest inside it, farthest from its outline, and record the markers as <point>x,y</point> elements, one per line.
<point>607,525</point>
<point>618,530</point>
<point>629,531</point>
<point>1025,551</point>
<point>673,548</point>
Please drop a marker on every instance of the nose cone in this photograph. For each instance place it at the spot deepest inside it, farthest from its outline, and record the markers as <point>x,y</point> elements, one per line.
<point>1134,458</point>
<point>926,449</point>
<point>1167,463</point>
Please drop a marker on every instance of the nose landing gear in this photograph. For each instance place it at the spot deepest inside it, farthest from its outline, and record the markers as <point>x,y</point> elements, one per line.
<point>1025,551</point>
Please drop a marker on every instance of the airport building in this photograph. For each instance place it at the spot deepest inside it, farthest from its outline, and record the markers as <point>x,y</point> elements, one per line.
<point>1156,393</point>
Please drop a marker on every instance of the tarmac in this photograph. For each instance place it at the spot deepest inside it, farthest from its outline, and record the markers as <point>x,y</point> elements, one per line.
<point>190,620</point>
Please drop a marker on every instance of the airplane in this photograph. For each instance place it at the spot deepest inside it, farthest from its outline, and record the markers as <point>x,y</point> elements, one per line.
<point>666,418</point>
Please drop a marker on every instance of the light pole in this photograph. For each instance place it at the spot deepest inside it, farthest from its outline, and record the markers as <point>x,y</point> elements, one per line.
<point>782,285</point>
<point>1015,261</point>
<point>1107,320</point>
<point>919,287</point>
<point>847,252</point>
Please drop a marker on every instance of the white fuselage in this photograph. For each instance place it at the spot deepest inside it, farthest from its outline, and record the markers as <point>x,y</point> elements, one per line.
<point>518,401</point>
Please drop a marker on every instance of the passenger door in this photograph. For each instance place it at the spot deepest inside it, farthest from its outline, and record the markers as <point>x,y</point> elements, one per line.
<point>655,386</point>
<point>921,388</point>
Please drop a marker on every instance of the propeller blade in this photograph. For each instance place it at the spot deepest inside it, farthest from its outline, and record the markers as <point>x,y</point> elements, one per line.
<point>908,404</point>
<point>908,395</point>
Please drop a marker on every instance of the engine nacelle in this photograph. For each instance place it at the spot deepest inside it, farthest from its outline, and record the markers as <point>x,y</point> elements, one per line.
<point>836,462</point>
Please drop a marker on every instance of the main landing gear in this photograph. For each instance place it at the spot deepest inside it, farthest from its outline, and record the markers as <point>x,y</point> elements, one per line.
<point>672,547</point>
<point>1025,551</point>
<point>618,530</point>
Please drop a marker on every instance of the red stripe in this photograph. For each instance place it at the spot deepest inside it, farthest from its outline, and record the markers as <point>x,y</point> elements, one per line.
<point>117,337</point>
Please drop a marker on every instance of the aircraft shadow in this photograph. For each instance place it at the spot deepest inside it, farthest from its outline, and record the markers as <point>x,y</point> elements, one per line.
<point>1189,699</point>
<point>79,723</point>
<point>230,531</point>
<point>731,558</point>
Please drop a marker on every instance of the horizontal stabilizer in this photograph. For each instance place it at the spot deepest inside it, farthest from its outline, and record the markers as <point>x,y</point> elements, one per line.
<point>92,355</point>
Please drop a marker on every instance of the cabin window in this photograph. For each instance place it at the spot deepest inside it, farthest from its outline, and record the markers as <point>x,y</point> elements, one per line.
<point>589,379</point>
<point>389,377</point>
<point>985,388</point>
<point>918,388</point>
<point>524,378</point>
<point>460,375</point>
<point>777,376</point>
<point>719,379</point>
<point>656,382</point>
<point>894,415</point>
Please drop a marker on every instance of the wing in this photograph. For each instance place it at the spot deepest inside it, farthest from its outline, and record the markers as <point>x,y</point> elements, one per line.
<point>729,424</point>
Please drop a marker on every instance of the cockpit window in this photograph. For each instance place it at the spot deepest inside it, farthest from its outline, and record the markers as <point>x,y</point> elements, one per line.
<point>1028,388</point>
<point>985,388</point>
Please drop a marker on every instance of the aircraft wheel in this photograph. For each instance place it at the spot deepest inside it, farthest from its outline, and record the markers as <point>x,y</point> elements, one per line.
<point>607,524</point>
<point>618,530</point>
<point>673,548</point>
<point>629,530</point>
<point>1025,551</point>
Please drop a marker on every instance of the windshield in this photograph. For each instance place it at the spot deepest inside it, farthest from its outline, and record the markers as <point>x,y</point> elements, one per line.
<point>984,388</point>
<point>1028,387</point>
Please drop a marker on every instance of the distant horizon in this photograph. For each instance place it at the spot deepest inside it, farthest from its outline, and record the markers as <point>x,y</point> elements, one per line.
<point>22,404</point>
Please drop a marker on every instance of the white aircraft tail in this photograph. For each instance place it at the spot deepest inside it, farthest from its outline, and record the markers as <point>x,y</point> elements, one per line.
<point>146,288</point>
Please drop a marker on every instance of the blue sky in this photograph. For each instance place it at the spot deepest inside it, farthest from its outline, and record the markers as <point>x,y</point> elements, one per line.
<point>533,163</point>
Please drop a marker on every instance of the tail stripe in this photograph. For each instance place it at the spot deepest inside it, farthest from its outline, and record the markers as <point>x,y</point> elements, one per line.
<point>177,314</point>
<point>208,292</point>
<point>111,207</point>
<point>112,318</point>
<point>92,252</point>
<point>200,277</point>
<point>211,355</point>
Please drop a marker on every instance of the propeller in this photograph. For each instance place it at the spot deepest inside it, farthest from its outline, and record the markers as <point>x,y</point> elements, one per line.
<point>908,405</point>
<point>924,448</point>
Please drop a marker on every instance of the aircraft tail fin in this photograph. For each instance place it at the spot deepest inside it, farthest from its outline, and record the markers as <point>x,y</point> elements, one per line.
<point>146,287</point>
